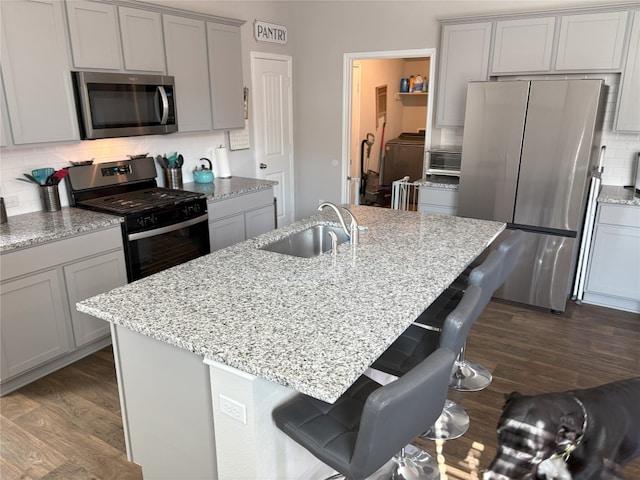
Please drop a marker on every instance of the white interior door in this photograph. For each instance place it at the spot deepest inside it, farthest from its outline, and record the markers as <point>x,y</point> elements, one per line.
<point>354,152</point>
<point>272,127</point>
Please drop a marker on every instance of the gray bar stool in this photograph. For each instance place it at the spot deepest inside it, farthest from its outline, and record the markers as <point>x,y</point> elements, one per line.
<point>370,423</point>
<point>491,274</point>
<point>416,343</point>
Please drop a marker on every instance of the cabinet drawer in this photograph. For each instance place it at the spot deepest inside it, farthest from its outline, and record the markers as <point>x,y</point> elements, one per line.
<point>48,255</point>
<point>239,204</point>
<point>622,215</point>
<point>438,196</point>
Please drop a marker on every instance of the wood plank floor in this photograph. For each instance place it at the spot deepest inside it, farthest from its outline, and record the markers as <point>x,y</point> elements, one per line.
<point>68,425</point>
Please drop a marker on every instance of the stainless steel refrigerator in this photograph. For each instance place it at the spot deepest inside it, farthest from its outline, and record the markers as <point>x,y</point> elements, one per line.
<point>527,155</point>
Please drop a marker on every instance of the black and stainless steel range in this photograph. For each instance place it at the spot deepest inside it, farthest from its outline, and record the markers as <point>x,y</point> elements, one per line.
<point>161,227</point>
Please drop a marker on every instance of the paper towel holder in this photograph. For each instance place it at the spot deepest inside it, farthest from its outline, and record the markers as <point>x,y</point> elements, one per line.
<point>221,168</point>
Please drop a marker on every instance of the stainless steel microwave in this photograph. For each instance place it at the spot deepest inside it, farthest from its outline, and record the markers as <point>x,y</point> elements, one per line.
<point>124,105</point>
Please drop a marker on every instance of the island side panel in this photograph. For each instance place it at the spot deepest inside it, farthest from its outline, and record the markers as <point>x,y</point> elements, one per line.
<point>249,444</point>
<point>165,399</point>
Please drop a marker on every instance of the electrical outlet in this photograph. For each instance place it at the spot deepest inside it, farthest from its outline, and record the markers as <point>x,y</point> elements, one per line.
<point>11,201</point>
<point>232,408</point>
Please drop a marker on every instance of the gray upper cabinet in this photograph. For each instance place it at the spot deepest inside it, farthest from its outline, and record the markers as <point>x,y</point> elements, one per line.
<point>104,36</point>
<point>95,38</point>
<point>4,118</point>
<point>592,41</point>
<point>141,32</point>
<point>35,70</point>
<point>225,72</point>
<point>185,43</point>
<point>523,45</point>
<point>628,118</point>
<point>464,58</point>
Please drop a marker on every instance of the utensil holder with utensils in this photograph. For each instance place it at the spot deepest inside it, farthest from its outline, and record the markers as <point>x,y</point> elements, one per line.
<point>172,170</point>
<point>50,198</point>
<point>173,178</point>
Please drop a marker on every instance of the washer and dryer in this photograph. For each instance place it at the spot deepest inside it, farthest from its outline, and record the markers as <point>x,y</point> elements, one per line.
<point>403,156</point>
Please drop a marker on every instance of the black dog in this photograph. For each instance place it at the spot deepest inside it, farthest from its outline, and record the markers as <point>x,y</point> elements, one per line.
<point>596,431</point>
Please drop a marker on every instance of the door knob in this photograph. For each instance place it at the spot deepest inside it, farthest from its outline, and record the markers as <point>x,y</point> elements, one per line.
<point>263,166</point>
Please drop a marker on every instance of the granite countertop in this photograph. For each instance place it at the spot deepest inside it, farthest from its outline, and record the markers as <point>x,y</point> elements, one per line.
<point>618,195</point>
<point>311,324</point>
<point>451,183</point>
<point>30,229</point>
<point>222,188</point>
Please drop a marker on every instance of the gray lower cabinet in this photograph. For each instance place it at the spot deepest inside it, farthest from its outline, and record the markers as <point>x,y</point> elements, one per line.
<point>239,218</point>
<point>41,330</point>
<point>85,279</point>
<point>438,200</point>
<point>34,326</point>
<point>35,71</point>
<point>613,277</point>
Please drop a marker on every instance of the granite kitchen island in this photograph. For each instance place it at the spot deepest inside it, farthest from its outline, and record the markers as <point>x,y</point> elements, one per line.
<point>205,350</point>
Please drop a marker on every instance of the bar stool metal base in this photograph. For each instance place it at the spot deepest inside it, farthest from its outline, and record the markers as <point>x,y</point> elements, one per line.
<point>452,423</point>
<point>413,463</point>
<point>470,377</point>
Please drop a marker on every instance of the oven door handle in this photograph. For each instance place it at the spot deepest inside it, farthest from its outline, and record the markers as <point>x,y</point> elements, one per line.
<point>162,230</point>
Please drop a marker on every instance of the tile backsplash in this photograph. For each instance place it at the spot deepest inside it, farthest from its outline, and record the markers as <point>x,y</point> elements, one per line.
<point>20,197</point>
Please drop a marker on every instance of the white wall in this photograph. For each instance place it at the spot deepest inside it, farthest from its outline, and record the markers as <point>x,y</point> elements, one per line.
<point>320,33</point>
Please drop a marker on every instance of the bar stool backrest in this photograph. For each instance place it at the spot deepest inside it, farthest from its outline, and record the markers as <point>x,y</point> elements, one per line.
<point>458,323</point>
<point>497,267</point>
<point>510,249</point>
<point>397,413</point>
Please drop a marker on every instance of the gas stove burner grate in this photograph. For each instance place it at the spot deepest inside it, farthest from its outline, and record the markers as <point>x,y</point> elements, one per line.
<point>139,201</point>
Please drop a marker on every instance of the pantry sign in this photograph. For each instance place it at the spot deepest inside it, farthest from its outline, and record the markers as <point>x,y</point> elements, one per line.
<point>270,32</point>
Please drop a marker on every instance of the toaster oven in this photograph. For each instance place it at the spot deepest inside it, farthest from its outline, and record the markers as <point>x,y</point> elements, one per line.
<point>444,161</point>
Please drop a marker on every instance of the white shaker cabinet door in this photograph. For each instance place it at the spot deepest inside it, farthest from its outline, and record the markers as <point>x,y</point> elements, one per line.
<point>464,58</point>
<point>523,45</point>
<point>95,39</point>
<point>628,118</point>
<point>34,327</point>
<point>142,43</point>
<point>35,70</point>
<point>225,72</point>
<point>85,279</point>
<point>592,41</point>
<point>185,41</point>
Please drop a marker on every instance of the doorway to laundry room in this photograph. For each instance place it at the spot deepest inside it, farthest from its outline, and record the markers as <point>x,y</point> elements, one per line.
<point>388,104</point>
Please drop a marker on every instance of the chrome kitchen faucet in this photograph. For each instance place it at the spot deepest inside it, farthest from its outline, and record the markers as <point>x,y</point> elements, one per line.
<point>352,231</point>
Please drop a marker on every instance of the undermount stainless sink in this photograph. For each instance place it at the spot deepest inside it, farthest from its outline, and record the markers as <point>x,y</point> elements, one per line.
<point>310,242</point>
